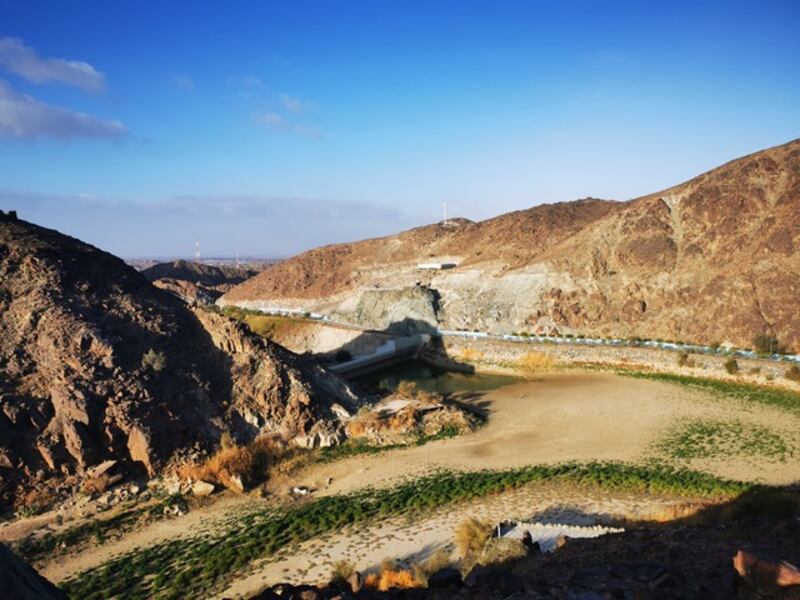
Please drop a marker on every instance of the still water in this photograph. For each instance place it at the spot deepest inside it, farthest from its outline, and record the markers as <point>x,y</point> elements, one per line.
<point>433,379</point>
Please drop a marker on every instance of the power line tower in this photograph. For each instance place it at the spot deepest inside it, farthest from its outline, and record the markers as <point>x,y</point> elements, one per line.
<point>197,250</point>
<point>444,208</point>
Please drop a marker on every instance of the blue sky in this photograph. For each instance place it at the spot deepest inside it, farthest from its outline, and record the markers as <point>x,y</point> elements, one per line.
<point>269,127</point>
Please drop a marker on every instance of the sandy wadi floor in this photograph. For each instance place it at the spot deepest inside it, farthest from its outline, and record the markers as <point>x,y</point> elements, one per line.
<point>564,417</point>
<point>551,419</point>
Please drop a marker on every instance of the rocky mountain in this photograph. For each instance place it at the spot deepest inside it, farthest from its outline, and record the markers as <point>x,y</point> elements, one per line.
<point>712,260</point>
<point>96,364</point>
<point>196,282</point>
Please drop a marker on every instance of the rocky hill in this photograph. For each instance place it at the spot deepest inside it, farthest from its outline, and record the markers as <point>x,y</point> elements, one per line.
<point>712,260</point>
<point>196,282</point>
<point>97,364</point>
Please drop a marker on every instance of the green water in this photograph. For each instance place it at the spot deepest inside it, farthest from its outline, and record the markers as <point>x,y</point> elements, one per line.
<point>433,379</point>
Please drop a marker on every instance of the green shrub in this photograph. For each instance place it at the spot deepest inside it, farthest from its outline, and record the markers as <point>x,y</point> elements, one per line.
<point>731,366</point>
<point>154,360</point>
<point>793,373</point>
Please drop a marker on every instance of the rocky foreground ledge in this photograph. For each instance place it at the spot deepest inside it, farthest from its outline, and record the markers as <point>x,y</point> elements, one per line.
<point>744,550</point>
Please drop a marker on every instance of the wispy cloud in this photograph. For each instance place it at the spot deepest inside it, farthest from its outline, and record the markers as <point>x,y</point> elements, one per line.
<point>275,122</point>
<point>184,82</point>
<point>22,116</point>
<point>295,104</point>
<point>23,60</point>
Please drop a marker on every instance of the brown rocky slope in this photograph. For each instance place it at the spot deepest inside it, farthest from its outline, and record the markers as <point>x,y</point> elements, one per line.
<point>196,282</point>
<point>76,389</point>
<point>712,260</point>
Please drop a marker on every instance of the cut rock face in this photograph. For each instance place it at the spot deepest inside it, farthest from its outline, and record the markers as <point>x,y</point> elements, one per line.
<point>96,364</point>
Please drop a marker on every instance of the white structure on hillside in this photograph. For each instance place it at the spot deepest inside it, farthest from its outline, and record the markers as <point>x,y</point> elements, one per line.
<point>436,266</point>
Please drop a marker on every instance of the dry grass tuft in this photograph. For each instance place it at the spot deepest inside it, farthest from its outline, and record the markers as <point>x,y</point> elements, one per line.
<point>470,354</point>
<point>389,578</point>
<point>96,485</point>
<point>342,571</point>
<point>435,562</point>
<point>500,550</point>
<point>535,361</point>
<point>471,536</point>
<point>236,467</point>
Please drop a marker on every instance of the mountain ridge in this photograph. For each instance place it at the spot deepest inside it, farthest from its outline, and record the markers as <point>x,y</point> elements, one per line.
<point>713,259</point>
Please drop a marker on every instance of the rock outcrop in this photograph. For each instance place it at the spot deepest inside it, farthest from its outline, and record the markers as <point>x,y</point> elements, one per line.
<point>714,259</point>
<point>97,364</point>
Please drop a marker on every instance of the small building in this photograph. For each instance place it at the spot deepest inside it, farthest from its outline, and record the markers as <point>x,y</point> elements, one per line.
<point>436,266</point>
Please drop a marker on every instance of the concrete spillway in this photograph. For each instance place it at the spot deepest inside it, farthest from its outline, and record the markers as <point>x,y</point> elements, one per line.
<point>394,351</point>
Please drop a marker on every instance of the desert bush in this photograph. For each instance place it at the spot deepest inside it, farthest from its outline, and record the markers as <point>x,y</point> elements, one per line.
<point>406,388</point>
<point>342,571</point>
<point>96,485</point>
<point>500,550</point>
<point>154,360</point>
<point>435,562</point>
<point>793,373</point>
<point>233,464</point>
<point>391,577</point>
<point>471,536</point>
<point>766,344</point>
<point>226,440</point>
<point>731,366</point>
<point>684,360</point>
<point>535,361</point>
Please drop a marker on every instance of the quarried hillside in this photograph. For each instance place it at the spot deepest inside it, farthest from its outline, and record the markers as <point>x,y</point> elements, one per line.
<point>712,260</point>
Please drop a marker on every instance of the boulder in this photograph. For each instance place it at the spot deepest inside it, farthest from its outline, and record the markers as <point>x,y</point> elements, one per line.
<point>759,577</point>
<point>202,488</point>
<point>356,582</point>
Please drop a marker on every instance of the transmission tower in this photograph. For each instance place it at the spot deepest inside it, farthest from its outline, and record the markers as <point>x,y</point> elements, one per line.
<point>197,250</point>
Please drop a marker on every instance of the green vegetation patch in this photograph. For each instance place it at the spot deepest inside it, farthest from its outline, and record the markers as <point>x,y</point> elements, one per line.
<point>192,568</point>
<point>97,530</point>
<point>715,439</point>
<point>784,399</point>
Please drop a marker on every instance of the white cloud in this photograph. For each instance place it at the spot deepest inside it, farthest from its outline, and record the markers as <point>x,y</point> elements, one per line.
<point>295,104</point>
<point>276,122</point>
<point>22,116</point>
<point>22,60</point>
<point>271,119</point>
<point>183,81</point>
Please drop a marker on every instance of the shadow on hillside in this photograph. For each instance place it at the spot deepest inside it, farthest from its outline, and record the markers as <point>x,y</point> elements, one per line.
<point>687,557</point>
